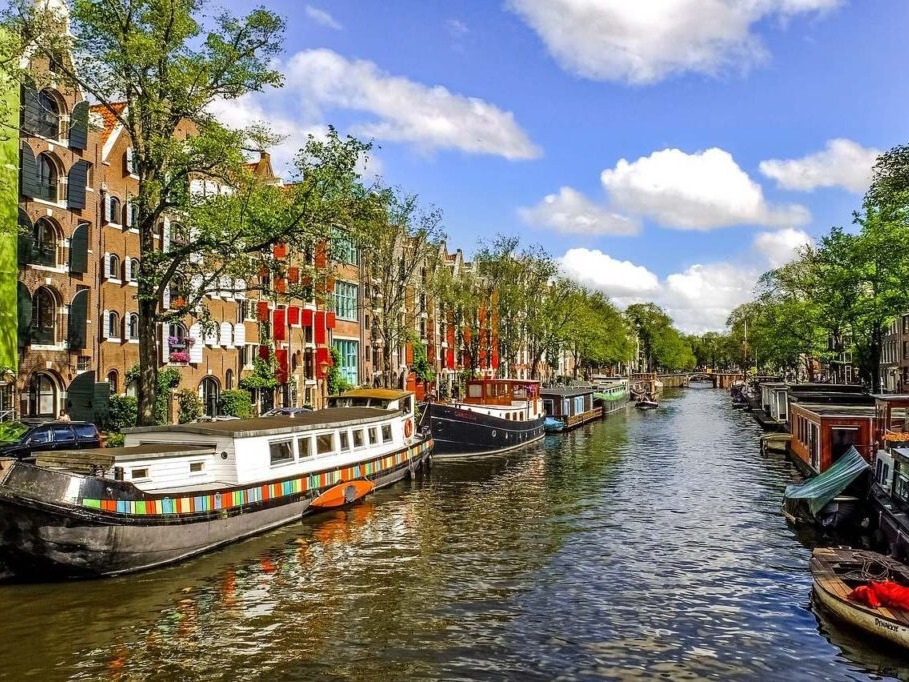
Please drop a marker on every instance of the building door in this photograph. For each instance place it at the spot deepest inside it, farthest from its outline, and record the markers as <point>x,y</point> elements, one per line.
<point>209,392</point>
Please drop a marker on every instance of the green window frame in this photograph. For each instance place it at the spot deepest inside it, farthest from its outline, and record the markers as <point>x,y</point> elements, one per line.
<point>350,359</point>
<point>345,301</point>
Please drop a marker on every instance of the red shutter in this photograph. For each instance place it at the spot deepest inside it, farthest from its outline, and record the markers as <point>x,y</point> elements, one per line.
<point>322,358</point>
<point>321,257</point>
<point>280,251</point>
<point>280,324</point>
<point>330,320</point>
<point>321,336</point>
<point>495,359</point>
<point>293,274</point>
<point>408,353</point>
<point>263,352</point>
<point>262,311</point>
<point>293,316</point>
<point>307,317</point>
<point>281,370</point>
<point>450,359</point>
<point>281,285</point>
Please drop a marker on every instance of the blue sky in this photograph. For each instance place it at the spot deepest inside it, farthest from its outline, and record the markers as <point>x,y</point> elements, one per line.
<point>670,153</point>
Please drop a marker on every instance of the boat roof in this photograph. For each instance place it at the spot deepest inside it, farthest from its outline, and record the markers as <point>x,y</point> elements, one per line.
<point>380,393</point>
<point>833,410</point>
<point>124,454</point>
<point>266,426</point>
<point>500,380</point>
<point>567,392</point>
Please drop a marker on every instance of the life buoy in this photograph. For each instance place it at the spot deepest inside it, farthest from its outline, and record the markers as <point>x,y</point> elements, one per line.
<point>408,428</point>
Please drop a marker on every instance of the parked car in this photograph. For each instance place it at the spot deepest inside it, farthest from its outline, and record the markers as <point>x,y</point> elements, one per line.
<point>21,441</point>
<point>286,411</point>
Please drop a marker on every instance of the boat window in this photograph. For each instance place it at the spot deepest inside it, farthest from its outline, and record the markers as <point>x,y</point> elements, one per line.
<point>196,467</point>
<point>139,473</point>
<point>304,447</point>
<point>475,390</point>
<point>281,452</point>
<point>345,441</point>
<point>324,443</point>
<point>386,433</point>
<point>373,436</point>
<point>508,416</point>
<point>359,440</point>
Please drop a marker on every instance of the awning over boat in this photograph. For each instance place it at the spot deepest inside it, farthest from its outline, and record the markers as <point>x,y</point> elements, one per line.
<point>610,396</point>
<point>818,491</point>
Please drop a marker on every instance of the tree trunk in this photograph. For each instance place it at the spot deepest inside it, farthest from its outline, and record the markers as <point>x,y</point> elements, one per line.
<point>147,388</point>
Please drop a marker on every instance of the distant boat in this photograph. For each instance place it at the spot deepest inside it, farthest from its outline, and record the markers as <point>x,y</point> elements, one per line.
<point>645,404</point>
<point>836,573</point>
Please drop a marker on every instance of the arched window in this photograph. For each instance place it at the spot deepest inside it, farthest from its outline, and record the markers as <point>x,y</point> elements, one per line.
<point>49,111</point>
<point>112,381</point>
<point>113,325</point>
<point>133,326</point>
<point>47,176</point>
<point>44,317</point>
<point>177,336</point>
<point>45,239</point>
<point>113,266</point>
<point>177,234</point>
<point>113,214</point>
<point>209,392</point>
<point>42,396</point>
<point>229,379</point>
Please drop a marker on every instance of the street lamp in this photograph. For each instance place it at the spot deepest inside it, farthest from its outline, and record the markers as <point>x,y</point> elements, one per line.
<point>323,370</point>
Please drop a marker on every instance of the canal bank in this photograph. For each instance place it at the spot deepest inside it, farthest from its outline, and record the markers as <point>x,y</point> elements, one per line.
<point>648,543</point>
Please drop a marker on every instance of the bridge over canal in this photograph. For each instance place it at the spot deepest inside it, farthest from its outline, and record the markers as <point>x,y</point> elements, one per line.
<point>683,379</point>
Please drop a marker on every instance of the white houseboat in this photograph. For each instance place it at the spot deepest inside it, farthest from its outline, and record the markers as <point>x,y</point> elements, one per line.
<point>177,491</point>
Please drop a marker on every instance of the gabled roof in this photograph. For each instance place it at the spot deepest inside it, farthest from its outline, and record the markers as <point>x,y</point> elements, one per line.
<point>109,120</point>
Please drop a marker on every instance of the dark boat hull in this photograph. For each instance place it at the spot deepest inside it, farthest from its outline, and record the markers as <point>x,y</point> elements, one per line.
<point>44,535</point>
<point>457,432</point>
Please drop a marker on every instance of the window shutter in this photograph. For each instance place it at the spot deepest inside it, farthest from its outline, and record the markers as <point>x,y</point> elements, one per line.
<point>25,237</point>
<point>30,109</point>
<point>78,126</point>
<point>195,350</point>
<point>165,346</point>
<point>165,299</point>
<point>24,313</point>
<point>127,269</point>
<point>128,218</point>
<point>75,186</point>
<point>227,335</point>
<point>105,322</point>
<point>165,236</point>
<point>106,265</point>
<point>78,249</point>
<point>107,203</point>
<point>28,173</point>
<point>78,314</point>
<point>129,160</point>
<point>240,335</point>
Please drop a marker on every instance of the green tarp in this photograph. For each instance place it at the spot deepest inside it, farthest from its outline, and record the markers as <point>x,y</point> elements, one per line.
<point>818,491</point>
<point>610,396</point>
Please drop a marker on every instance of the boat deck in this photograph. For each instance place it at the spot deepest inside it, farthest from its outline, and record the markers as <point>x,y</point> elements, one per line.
<point>828,565</point>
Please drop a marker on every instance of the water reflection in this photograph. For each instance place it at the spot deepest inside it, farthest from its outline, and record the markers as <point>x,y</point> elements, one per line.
<point>647,545</point>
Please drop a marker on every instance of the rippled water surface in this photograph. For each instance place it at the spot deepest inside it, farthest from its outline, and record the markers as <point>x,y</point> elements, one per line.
<point>647,545</point>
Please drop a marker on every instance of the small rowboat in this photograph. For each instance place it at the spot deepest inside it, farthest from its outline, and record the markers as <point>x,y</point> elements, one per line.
<point>644,404</point>
<point>838,571</point>
<point>342,494</point>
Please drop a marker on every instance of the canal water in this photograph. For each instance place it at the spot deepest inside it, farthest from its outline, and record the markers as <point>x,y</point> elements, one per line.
<point>648,545</point>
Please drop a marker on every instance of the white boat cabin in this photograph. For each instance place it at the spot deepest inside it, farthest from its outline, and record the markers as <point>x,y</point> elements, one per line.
<point>249,451</point>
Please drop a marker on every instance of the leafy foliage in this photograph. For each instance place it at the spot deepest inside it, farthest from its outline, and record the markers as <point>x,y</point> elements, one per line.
<point>236,403</point>
<point>190,406</point>
<point>336,381</point>
<point>122,412</point>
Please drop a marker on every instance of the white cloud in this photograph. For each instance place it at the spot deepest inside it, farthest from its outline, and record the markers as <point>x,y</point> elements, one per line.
<point>457,28</point>
<point>842,163</point>
<point>320,16</point>
<point>781,246</point>
<point>430,117</point>
<point>570,212</point>
<point>699,191</point>
<point>698,298</point>
<point>646,41</point>
<point>621,279</point>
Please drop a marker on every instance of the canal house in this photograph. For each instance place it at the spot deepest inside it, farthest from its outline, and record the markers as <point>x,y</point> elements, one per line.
<point>889,496</point>
<point>823,432</point>
<point>572,406</point>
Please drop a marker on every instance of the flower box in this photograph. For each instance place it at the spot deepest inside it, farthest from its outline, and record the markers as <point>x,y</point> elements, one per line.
<point>181,357</point>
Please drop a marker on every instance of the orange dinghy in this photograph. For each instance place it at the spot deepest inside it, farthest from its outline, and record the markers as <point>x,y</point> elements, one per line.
<point>343,493</point>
